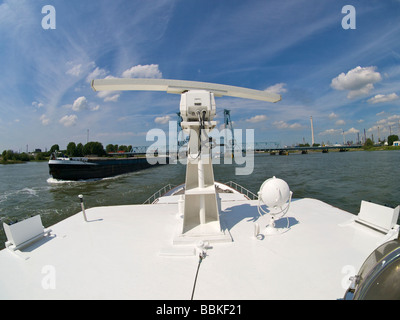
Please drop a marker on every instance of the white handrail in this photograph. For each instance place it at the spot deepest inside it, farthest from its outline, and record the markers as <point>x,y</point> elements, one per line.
<point>231,184</point>
<point>159,193</point>
<point>242,189</point>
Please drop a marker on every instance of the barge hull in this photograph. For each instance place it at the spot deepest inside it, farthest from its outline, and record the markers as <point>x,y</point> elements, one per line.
<point>62,170</point>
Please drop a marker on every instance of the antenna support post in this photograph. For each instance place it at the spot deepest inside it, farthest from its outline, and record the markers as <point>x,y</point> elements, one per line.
<point>201,215</point>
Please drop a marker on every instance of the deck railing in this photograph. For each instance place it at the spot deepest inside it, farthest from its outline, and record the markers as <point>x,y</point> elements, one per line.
<point>242,189</point>
<point>231,184</point>
<point>159,193</point>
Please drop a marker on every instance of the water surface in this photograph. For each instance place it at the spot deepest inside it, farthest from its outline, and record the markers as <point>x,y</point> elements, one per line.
<point>341,179</point>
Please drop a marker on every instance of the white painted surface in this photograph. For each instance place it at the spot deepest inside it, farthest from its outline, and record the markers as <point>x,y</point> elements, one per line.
<point>127,252</point>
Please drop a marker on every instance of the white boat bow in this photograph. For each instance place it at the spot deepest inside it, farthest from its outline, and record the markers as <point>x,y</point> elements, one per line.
<point>128,252</point>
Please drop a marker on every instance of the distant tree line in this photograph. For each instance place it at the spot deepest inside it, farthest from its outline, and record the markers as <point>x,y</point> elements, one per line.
<point>369,144</point>
<point>91,148</point>
<point>392,138</point>
<point>116,148</point>
<point>9,156</point>
<point>80,150</point>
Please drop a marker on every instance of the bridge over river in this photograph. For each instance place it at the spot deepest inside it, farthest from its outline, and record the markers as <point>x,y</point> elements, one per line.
<point>259,148</point>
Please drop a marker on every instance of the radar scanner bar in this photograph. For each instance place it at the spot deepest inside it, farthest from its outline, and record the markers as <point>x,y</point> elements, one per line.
<point>181,86</point>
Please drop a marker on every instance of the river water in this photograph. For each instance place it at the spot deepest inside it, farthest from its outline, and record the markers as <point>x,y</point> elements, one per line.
<point>341,179</point>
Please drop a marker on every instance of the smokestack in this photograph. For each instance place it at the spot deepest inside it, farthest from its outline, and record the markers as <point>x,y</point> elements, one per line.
<point>312,132</point>
<point>379,136</point>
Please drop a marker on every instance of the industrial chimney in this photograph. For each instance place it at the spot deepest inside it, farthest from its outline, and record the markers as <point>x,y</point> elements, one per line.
<point>312,132</point>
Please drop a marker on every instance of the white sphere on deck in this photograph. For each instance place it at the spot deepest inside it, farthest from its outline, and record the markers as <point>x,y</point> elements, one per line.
<point>274,192</point>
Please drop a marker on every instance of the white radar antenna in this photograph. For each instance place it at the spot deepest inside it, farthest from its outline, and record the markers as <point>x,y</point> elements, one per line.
<point>197,108</point>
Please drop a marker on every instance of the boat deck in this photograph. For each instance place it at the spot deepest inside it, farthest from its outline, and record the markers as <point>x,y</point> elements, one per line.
<point>127,252</point>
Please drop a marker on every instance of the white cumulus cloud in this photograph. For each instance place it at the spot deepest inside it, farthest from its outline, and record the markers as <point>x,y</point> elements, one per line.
<point>352,130</point>
<point>80,104</point>
<point>162,120</point>
<point>111,97</point>
<point>383,98</point>
<point>284,125</point>
<point>45,120</point>
<point>68,121</point>
<point>330,131</point>
<point>333,116</point>
<point>277,88</point>
<point>37,104</point>
<point>145,71</point>
<point>79,68</point>
<point>357,81</point>
<point>97,73</point>
<point>258,118</point>
<point>395,117</point>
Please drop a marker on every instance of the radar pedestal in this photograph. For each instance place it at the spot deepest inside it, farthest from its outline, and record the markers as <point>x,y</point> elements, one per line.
<point>201,215</point>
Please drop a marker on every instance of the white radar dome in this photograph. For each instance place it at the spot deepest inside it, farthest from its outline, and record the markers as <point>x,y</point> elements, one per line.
<point>274,192</point>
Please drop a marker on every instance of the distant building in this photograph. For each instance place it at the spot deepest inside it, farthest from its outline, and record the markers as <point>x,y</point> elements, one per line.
<point>396,143</point>
<point>38,150</point>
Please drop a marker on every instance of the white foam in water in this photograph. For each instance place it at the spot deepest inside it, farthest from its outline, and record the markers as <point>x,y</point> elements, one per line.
<point>3,197</point>
<point>28,191</point>
<point>51,180</point>
<point>25,191</point>
<point>56,181</point>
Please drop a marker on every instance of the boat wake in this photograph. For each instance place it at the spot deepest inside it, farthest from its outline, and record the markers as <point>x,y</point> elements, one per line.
<point>56,181</point>
<point>30,192</point>
<point>51,180</point>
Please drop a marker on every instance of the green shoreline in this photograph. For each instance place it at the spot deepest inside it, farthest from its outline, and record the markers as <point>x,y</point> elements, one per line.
<point>19,161</point>
<point>379,148</point>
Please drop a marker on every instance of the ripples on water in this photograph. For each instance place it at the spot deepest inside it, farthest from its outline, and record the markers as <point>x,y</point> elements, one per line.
<point>340,179</point>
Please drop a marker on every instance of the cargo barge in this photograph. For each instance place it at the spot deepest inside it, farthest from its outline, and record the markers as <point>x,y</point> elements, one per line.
<point>84,168</point>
